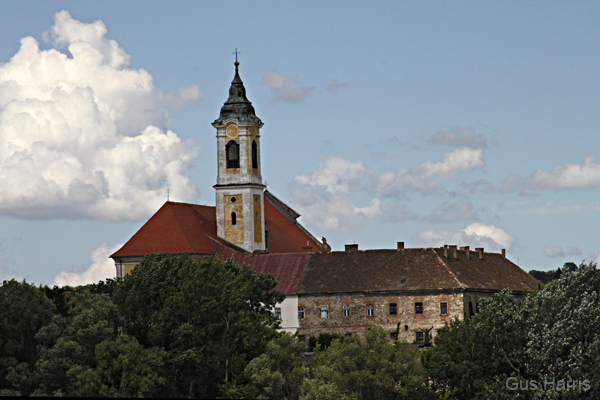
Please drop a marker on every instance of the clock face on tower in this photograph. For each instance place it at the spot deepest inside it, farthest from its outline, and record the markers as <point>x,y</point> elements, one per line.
<point>231,131</point>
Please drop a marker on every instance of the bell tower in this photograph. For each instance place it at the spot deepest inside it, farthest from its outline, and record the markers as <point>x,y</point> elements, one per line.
<point>239,188</point>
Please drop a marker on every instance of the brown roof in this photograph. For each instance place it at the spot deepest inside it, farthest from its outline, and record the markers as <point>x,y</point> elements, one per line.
<point>178,228</point>
<point>287,268</point>
<point>409,270</point>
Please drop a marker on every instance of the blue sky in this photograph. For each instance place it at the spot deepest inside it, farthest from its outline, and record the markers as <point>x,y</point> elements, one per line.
<point>467,123</point>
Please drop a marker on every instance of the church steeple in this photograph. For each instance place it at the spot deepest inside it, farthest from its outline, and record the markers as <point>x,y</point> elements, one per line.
<point>237,105</point>
<point>239,188</point>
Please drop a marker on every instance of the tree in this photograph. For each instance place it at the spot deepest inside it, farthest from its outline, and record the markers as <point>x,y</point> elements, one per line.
<point>371,369</point>
<point>125,369</point>
<point>278,372</point>
<point>24,309</point>
<point>212,317</point>
<point>67,344</point>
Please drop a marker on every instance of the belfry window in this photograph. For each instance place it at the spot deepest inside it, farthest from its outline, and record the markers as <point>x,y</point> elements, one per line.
<point>254,154</point>
<point>233,218</point>
<point>233,155</point>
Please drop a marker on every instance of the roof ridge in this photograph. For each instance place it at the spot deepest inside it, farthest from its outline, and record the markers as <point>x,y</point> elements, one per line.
<point>448,269</point>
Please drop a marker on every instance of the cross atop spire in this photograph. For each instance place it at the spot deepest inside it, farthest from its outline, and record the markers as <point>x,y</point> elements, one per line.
<point>236,60</point>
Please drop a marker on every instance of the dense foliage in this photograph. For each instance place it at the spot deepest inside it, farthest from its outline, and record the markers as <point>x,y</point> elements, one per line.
<point>553,335</point>
<point>176,327</point>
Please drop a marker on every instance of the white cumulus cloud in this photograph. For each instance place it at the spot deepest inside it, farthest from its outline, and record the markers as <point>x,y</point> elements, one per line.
<point>102,268</point>
<point>426,177</point>
<point>476,234</point>
<point>286,88</point>
<point>325,200</point>
<point>84,136</point>
<point>570,176</point>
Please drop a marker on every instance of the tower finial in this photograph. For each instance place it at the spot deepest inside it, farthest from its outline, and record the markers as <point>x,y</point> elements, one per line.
<point>236,61</point>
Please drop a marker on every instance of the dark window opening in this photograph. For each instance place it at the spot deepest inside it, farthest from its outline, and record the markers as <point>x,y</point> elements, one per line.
<point>471,309</point>
<point>254,154</point>
<point>233,219</point>
<point>300,312</point>
<point>418,308</point>
<point>444,308</point>
<point>302,338</point>
<point>233,199</point>
<point>393,309</point>
<point>405,327</point>
<point>278,312</point>
<point>233,155</point>
<point>394,335</point>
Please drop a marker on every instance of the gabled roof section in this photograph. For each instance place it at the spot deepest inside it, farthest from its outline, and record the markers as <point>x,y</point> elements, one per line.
<point>176,228</point>
<point>410,270</point>
<point>286,235</point>
<point>287,268</point>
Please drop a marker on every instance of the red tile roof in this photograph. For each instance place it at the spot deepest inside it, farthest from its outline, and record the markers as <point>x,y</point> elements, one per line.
<point>178,228</point>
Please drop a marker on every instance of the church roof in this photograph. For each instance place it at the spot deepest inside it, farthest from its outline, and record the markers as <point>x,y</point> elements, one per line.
<point>179,228</point>
<point>410,270</point>
<point>237,105</point>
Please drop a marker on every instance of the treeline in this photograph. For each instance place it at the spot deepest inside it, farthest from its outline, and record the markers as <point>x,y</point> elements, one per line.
<point>176,327</point>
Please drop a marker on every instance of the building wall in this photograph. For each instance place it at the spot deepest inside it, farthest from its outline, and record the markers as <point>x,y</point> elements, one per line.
<point>313,324</point>
<point>289,313</point>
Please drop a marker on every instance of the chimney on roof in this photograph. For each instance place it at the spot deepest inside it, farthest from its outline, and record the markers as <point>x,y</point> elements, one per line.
<point>467,251</point>
<point>454,248</point>
<point>479,250</point>
<point>400,245</point>
<point>445,251</point>
<point>504,253</point>
<point>351,248</point>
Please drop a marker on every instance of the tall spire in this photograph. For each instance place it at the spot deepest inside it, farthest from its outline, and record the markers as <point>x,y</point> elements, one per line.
<point>237,105</point>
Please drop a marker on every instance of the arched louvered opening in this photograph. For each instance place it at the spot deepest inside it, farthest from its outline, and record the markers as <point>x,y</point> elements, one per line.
<point>233,154</point>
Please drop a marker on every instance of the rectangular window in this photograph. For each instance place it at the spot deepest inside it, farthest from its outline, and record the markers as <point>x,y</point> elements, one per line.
<point>370,310</point>
<point>278,312</point>
<point>302,338</point>
<point>346,311</point>
<point>418,308</point>
<point>323,311</point>
<point>394,335</point>
<point>300,312</point>
<point>443,308</point>
<point>419,337</point>
<point>393,309</point>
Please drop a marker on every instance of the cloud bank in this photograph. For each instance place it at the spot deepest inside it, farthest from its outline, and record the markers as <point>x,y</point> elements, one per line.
<point>84,136</point>
<point>570,176</point>
<point>102,268</point>
<point>426,177</point>
<point>477,235</point>
<point>459,137</point>
<point>325,196</point>
<point>286,88</point>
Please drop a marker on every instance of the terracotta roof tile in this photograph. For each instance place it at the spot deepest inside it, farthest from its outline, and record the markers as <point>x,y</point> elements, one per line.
<point>178,228</point>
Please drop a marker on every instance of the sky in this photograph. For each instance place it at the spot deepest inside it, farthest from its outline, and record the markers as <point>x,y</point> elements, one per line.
<point>466,123</point>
